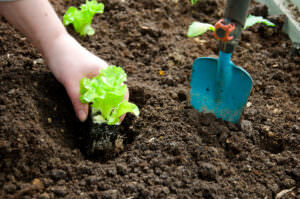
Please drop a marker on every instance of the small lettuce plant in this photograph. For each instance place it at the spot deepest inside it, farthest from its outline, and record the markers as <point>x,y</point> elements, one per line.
<point>82,19</point>
<point>194,1</point>
<point>198,28</point>
<point>105,93</point>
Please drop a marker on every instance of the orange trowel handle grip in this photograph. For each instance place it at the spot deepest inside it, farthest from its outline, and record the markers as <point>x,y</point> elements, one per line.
<point>223,31</point>
<point>228,30</point>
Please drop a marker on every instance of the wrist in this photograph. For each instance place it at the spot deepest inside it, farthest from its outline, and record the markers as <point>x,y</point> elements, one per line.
<point>49,46</point>
<point>60,53</point>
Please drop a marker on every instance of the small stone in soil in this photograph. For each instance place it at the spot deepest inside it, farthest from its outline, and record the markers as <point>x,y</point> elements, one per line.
<point>207,171</point>
<point>131,187</point>
<point>91,180</point>
<point>110,194</point>
<point>122,169</point>
<point>10,188</point>
<point>37,182</point>
<point>247,126</point>
<point>59,190</point>
<point>112,172</point>
<point>296,129</point>
<point>58,174</point>
<point>44,196</point>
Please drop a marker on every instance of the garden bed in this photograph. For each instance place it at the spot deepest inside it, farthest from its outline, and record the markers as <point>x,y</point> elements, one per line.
<point>291,10</point>
<point>170,151</point>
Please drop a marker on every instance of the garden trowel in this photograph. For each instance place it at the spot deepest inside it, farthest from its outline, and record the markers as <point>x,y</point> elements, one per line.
<point>218,86</point>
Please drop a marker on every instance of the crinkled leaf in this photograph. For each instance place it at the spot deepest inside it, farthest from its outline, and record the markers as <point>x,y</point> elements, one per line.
<point>86,91</point>
<point>113,76</point>
<point>106,92</point>
<point>123,107</point>
<point>194,1</point>
<point>252,20</point>
<point>107,104</point>
<point>93,7</point>
<point>90,90</point>
<point>197,28</point>
<point>82,19</point>
<point>70,15</point>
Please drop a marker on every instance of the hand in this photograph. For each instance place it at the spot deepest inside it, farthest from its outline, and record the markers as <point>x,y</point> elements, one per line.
<point>70,62</point>
<point>67,59</point>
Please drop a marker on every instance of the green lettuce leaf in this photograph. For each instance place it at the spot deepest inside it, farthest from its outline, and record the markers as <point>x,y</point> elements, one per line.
<point>252,20</point>
<point>194,1</point>
<point>197,28</point>
<point>105,93</point>
<point>121,109</point>
<point>82,19</point>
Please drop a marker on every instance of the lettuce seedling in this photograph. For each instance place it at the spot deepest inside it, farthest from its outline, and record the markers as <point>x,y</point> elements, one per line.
<point>197,28</point>
<point>252,20</point>
<point>194,1</point>
<point>105,93</point>
<point>82,19</point>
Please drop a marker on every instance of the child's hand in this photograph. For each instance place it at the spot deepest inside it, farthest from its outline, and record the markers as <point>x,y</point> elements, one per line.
<point>67,59</point>
<point>70,62</point>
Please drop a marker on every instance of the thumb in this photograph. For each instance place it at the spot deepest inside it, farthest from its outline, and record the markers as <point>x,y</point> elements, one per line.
<point>81,110</point>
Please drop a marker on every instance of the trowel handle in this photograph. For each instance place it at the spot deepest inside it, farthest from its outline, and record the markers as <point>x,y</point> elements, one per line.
<point>228,30</point>
<point>237,11</point>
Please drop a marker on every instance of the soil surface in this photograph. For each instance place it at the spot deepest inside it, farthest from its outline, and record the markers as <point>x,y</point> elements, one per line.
<point>294,10</point>
<point>170,151</point>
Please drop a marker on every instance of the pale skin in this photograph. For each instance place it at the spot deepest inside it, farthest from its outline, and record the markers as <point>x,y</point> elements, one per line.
<point>66,58</point>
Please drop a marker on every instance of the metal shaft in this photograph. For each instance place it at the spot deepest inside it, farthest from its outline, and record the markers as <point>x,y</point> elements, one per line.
<point>237,10</point>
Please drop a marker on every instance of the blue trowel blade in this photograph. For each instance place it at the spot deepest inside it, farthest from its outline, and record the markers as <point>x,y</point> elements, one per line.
<point>226,102</point>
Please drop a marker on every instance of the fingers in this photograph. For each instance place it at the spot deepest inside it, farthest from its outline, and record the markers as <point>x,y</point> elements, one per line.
<point>73,91</point>
<point>73,87</point>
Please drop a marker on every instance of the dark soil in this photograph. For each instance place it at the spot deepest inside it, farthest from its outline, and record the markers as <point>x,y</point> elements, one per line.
<point>170,151</point>
<point>294,10</point>
<point>99,140</point>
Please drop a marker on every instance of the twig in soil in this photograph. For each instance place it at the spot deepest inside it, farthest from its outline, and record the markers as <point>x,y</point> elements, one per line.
<point>27,190</point>
<point>35,186</point>
<point>283,192</point>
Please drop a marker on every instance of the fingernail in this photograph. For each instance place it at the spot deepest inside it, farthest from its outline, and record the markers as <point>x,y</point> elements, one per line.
<point>82,115</point>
